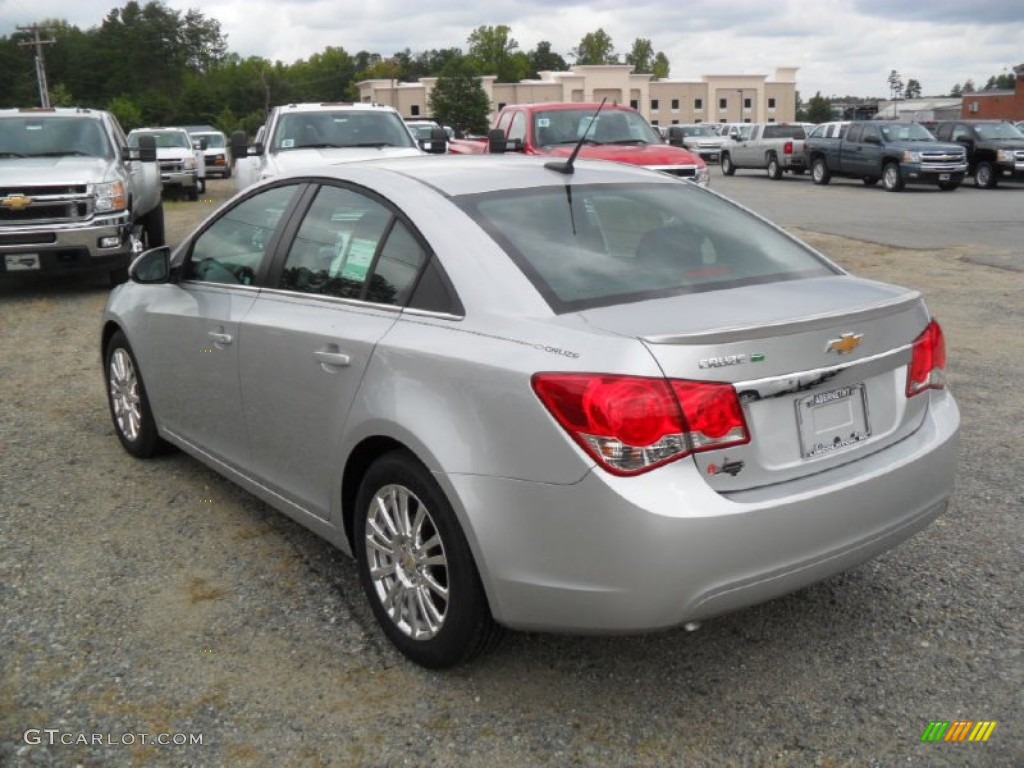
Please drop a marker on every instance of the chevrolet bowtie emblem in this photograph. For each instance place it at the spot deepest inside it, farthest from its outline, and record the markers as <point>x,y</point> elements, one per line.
<point>845,344</point>
<point>16,202</point>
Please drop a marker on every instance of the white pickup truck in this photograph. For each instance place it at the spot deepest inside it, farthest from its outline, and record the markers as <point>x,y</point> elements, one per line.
<point>73,196</point>
<point>772,147</point>
<point>303,135</point>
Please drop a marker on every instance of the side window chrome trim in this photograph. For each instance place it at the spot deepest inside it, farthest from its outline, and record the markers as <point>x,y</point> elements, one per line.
<point>325,298</point>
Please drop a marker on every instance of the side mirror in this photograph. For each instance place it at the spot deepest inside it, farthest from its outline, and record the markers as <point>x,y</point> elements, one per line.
<point>152,266</point>
<point>240,145</point>
<point>437,144</point>
<point>147,149</point>
<point>497,144</point>
<point>734,135</point>
<point>675,136</point>
<point>204,143</point>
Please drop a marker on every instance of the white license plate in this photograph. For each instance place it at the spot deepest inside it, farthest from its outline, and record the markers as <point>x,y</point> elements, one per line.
<point>943,177</point>
<point>21,261</point>
<point>833,420</point>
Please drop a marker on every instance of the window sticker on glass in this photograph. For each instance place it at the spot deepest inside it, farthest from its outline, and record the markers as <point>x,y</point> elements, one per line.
<point>543,122</point>
<point>287,143</point>
<point>360,254</point>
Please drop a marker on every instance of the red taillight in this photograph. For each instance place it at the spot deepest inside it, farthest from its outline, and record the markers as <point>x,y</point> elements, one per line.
<point>787,148</point>
<point>927,368</point>
<point>631,424</point>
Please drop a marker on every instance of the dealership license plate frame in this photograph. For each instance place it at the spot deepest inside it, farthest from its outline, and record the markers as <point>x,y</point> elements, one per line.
<point>22,262</point>
<point>832,421</point>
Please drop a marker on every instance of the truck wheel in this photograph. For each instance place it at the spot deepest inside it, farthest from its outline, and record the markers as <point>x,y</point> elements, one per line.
<point>820,174</point>
<point>892,179</point>
<point>870,181</point>
<point>728,168</point>
<point>774,169</point>
<point>153,223</point>
<point>985,176</point>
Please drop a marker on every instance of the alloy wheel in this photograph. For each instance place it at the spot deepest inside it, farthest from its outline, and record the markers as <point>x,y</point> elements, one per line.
<point>124,395</point>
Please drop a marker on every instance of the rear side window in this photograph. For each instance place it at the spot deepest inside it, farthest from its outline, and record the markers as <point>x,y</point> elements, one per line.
<point>590,246</point>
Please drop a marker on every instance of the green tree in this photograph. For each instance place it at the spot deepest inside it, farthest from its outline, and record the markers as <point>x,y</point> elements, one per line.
<point>493,51</point>
<point>126,111</point>
<point>641,56</point>
<point>595,48</point>
<point>913,90</point>
<point>543,59</point>
<point>819,109</point>
<point>660,67</point>
<point>968,86</point>
<point>459,100</point>
<point>895,85</point>
<point>956,90</point>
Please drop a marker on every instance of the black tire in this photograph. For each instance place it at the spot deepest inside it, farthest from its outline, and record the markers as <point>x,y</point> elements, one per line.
<point>870,181</point>
<point>774,168</point>
<point>820,174</point>
<point>464,626</point>
<point>135,427</point>
<point>153,224</point>
<point>227,172</point>
<point>728,169</point>
<point>892,179</point>
<point>985,176</point>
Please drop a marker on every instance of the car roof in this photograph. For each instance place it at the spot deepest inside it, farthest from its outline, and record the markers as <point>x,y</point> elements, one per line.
<point>556,105</point>
<point>52,112</point>
<point>454,175</point>
<point>332,106</point>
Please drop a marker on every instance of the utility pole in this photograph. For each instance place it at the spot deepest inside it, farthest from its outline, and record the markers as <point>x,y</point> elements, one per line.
<point>44,92</point>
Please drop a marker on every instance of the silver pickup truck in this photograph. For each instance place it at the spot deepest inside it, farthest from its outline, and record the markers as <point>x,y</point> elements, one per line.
<point>773,147</point>
<point>73,197</point>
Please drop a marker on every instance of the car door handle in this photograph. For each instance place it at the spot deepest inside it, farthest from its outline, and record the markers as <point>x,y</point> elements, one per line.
<point>330,360</point>
<point>220,339</point>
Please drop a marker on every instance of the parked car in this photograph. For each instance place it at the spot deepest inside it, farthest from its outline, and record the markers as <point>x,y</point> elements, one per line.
<point>584,399</point>
<point>995,149</point>
<point>216,152</point>
<point>699,138</point>
<point>182,169</point>
<point>300,135</point>
<point>73,198</point>
<point>772,147</point>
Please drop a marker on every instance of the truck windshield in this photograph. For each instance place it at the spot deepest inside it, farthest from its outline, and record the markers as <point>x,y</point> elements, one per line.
<point>905,132</point>
<point>611,126</point>
<point>52,137</point>
<point>349,128</point>
<point>998,131</point>
<point>607,244</point>
<point>698,130</point>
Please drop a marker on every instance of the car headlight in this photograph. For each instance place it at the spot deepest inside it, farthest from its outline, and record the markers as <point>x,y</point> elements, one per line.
<point>911,157</point>
<point>703,177</point>
<point>110,196</point>
<point>1005,156</point>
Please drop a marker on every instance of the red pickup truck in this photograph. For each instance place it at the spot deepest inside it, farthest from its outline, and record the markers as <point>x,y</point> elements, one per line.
<point>617,133</point>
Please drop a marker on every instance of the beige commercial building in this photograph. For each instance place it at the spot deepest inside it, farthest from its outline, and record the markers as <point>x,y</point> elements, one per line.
<point>712,99</point>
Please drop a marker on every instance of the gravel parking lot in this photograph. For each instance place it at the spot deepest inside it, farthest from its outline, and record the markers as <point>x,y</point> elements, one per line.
<point>146,601</point>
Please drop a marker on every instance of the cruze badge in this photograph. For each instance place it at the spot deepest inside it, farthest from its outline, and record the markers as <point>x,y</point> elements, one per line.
<point>845,344</point>
<point>16,202</point>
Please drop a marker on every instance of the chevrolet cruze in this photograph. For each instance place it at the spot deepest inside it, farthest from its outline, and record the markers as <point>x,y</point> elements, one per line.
<point>546,396</point>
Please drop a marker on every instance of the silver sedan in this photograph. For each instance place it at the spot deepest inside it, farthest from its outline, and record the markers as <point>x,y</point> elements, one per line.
<point>595,401</point>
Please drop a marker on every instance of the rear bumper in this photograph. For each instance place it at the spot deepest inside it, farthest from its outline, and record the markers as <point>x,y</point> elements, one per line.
<point>187,179</point>
<point>68,247</point>
<point>612,554</point>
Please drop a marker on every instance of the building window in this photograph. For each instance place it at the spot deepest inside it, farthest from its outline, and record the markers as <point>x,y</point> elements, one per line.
<point>723,103</point>
<point>675,105</point>
<point>746,119</point>
<point>415,109</point>
<point>747,103</point>
<point>654,122</point>
<point>675,122</point>
<point>698,104</point>
<point>770,120</point>
<point>771,103</point>
<point>634,104</point>
<point>654,105</point>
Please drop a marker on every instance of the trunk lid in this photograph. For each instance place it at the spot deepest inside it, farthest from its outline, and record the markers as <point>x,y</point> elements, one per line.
<point>820,367</point>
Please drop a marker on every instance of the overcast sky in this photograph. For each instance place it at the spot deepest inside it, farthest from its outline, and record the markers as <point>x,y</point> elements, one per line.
<point>841,46</point>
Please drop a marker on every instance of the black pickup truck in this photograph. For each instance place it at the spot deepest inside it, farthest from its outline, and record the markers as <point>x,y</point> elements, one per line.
<point>897,153</point>
<point>994,149</point>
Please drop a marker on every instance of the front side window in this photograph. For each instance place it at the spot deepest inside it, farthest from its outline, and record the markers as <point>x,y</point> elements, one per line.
<point>619,243</point>
<point>233,248</point>
<point>352,246</point>
<point>517,130</point>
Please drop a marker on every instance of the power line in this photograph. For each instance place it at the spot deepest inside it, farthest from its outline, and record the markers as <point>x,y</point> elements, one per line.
<point>35,29</point>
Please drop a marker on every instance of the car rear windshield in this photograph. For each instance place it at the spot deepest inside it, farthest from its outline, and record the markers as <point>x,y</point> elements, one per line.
<point>784,132</point>
<point>348,128</point>
<point>598,245</point>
